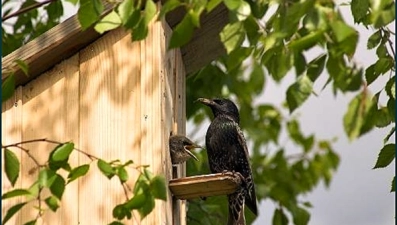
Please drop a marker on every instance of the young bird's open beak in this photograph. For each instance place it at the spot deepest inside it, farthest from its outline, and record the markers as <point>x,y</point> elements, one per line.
<point>189,147</point>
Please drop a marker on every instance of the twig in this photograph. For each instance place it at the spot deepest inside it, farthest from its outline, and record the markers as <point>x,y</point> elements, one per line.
<point>26,9</point>
<point>92,157</point>
<point>388,40</point>
<point>125,190</point>
<point>24,142</point>
<point>29,155</point>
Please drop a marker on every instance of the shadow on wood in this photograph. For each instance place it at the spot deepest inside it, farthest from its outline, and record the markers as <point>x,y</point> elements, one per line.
<point>204,185</point>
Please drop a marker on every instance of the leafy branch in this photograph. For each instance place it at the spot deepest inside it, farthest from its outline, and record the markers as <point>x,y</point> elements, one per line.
<point>147,187</point>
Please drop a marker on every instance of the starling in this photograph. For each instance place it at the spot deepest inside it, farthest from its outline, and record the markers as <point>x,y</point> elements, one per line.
<point>227,151</point>
<point>180,147</point>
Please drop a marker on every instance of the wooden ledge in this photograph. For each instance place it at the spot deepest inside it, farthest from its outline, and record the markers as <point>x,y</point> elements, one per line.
<point>204,185</point>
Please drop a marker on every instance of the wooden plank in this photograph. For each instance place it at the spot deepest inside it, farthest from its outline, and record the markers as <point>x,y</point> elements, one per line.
<point>204,185</point>
<point>47,102</point>
<point>11,132</point>
<point>55,45</point>
<point>167,108</point>
<point>179,75</point>
<point>110,120</point>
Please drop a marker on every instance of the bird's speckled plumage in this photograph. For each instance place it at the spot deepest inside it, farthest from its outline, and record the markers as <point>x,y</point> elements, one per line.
<point>180,147</point>
<point>227,151</point>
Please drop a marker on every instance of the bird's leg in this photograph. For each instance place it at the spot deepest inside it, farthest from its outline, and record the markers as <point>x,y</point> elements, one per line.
<point>234,173</point>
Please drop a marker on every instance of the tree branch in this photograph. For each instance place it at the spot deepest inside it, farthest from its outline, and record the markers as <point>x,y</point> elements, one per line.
<point>26,9</point>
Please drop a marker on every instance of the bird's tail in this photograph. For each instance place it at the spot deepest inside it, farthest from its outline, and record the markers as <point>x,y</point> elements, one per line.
<point>236,208</point>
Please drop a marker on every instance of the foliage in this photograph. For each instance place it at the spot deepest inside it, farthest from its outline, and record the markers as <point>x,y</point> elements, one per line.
<point>49,178</point>
<point>264,40</point>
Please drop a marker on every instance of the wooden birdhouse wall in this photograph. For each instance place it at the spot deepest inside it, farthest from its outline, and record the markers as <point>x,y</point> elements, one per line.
<point>115,99</point>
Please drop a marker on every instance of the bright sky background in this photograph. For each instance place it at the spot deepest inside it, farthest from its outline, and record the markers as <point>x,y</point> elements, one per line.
<point>358,195</point>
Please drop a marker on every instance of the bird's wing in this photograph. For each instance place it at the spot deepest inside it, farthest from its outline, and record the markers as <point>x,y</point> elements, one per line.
<point>238,145</point>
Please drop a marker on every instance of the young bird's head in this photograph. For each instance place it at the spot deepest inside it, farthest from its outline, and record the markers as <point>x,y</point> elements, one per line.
<point>180,147</point>
<point>222,107</point>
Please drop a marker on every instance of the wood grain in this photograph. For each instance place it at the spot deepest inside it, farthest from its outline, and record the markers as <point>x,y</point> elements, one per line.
<point>204,185</point>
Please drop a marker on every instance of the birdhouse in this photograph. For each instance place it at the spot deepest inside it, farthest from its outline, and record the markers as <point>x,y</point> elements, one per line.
<point>114,99</point>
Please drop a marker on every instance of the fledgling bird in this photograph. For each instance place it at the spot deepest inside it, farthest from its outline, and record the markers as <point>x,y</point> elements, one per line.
<point>180,147</point>
<point>227,151</point>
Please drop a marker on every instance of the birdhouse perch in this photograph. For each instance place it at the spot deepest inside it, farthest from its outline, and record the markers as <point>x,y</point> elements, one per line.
<point>204,185</point>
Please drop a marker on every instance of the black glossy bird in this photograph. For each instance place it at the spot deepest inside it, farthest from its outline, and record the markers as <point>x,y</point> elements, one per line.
<point>227,151</point>
<point>180,147</point>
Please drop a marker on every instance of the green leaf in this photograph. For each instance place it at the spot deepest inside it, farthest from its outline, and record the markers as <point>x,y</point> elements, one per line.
<point>125,10</point>
<point>78,172</point>
<point>122,174</point>
<point>23,66</point>
<point>382,117</point>
<point>391,88</point>
<point>15,193</point>
<point>14,209</point>
<point>386,156</point>
<point>54,10</point>
<point>295,132</point>
<point>257,78</point>
<point>278,61</point>
<point>46,177</point>
<point>308,204</point>
<point>316,67</point>
<point>346,37</point>
<point>391,106</point>
<point>74,2</point>
<point>32,222</point>
<point>147,207</point>
<point>62,152</point>
<point>240,8</point>
<point>136,202</point>
<point>140,31</point>
<point>89,12</point>
<point>279,218</point>
<point>212,4</point>
<point>370,74</point>
<point>11,166</point>
<point>393,185</point>
<point>383,13</point>
<point>106,168</point>
<point>159,188</point>
<point>52,203</point>
<point>182,32</point>
<point>57,187</point>
<point>359,9</point>
<point>355,115</point>
<point>299,92</point>
<point>300,216</point>
<point>232,36</point>
<point>307,41</point>
<point>391,132</point>
<point>342,31</point>
<point>374,40</point>
<point>8,87</point>
<point>383,65</point>
<point>116,223</point>
<point>148,175</point>
<point>34,189</point>
<point>109,22</point>
<point>120,212</point>
<point>150,11</point>
<point>168,6</point>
